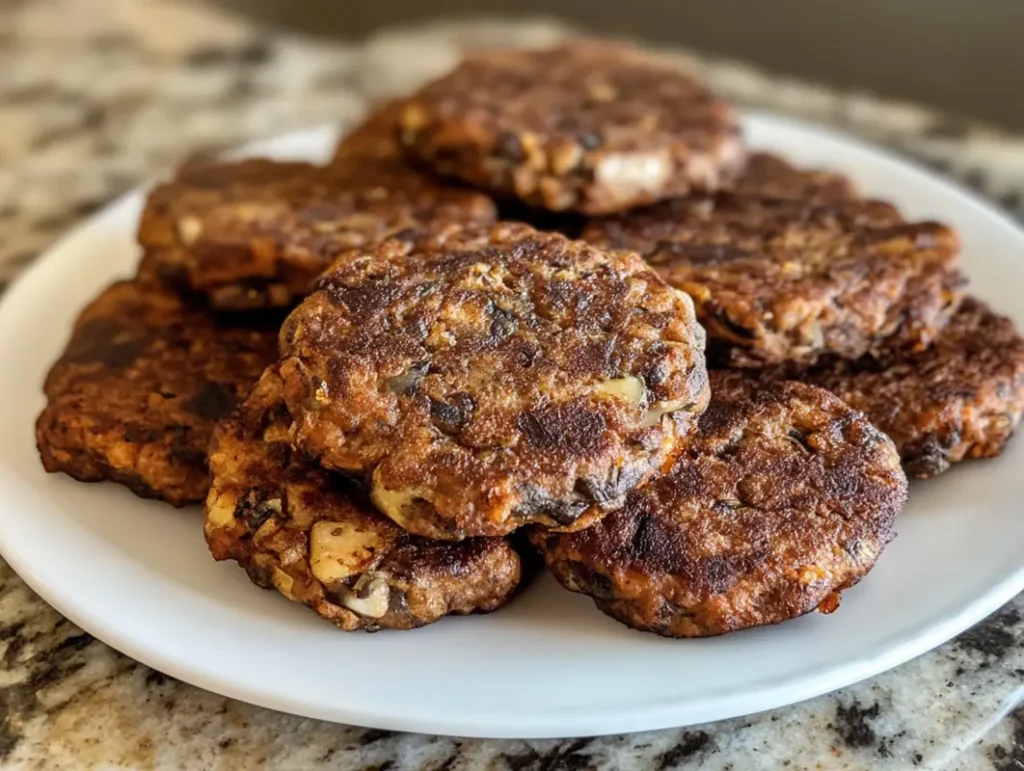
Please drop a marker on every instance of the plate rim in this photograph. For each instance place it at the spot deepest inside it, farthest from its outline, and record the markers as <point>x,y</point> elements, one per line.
<point>653,716</point>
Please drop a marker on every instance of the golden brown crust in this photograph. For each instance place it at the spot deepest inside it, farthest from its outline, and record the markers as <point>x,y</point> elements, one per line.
<point>137,391</point>
<point>317,539</point>
<point>961,398</point>
<point>782,498</point>
<point>587,126</point>
<point>257,233</point>
<point>791,279</point>
<point>488,377</point>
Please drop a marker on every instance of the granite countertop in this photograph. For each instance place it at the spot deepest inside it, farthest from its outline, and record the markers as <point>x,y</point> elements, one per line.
<point>98,96</point>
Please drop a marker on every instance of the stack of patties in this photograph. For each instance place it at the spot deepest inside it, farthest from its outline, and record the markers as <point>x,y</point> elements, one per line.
<point>777,497</point>
<point>155,361</point>
<point>164,386</point>
<point>449,389</point>
<point>795,276</point>
<point>437,392</point>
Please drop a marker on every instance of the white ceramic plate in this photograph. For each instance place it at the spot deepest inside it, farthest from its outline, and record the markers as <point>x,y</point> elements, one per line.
<point>137,574</point>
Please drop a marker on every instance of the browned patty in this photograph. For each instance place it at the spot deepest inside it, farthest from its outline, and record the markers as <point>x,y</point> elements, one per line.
<point>319,541</point>
<point>961,398</point>
<point>137,391</point>
<point>779,279</point>
<point>769,176</point>
<point>782,498</point>
<point>487,377</point>
<point>586,126</point>
<point>764,175</point>
<point>256,233</point>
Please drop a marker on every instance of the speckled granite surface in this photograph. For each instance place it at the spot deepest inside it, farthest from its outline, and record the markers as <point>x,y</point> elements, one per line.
<point>97,96</point>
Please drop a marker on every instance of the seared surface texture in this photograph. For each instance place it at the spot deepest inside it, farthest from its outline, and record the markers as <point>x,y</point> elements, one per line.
<point>316,538</point>
<point>588,126</point>
<point>791,279</point>
<point>257,233</point>
<point>488,377</point>
<point>961,398</point>
<point>137,391</point>
<point>782,498</point>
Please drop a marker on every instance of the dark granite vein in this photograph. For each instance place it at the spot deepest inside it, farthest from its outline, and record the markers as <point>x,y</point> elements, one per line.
<point>1011,757</point>
<point>997,637</point>
<point>690,745</point>
<point>853,724</point>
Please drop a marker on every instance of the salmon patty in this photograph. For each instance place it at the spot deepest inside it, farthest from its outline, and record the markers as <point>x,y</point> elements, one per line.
<point>587,126</point>
<point>782,498</point>
<point>483,378</point>
<point>256,233</point>
<point>784,270</point>
<point>142,382</point>
<point>961,398</point>
<point>315,537</point>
